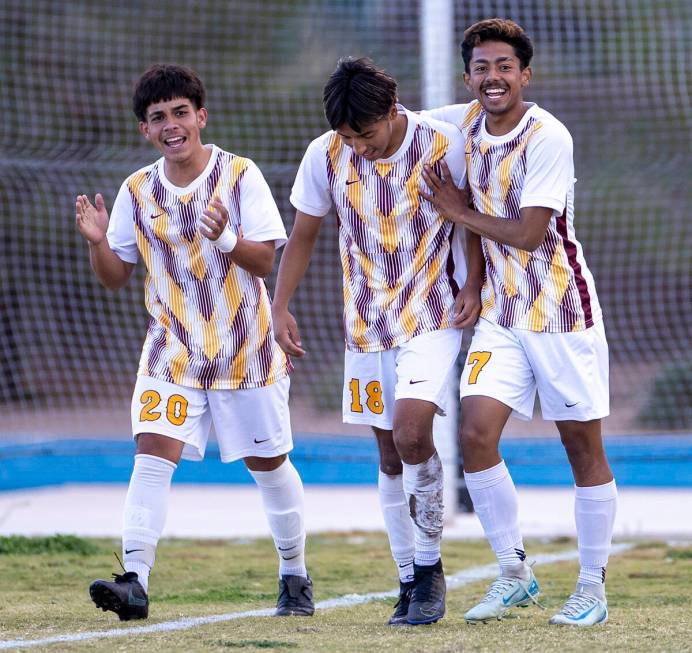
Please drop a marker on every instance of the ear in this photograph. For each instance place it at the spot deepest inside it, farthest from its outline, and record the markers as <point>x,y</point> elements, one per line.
<point>526,76</point>
<point>144,129</point>
<point>393,112</point>
<point>467,82</point>
<point>202,116</point>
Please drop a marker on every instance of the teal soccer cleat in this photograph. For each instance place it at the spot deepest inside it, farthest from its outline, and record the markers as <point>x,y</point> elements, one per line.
<point>586,607</point>
<point>505,593</point>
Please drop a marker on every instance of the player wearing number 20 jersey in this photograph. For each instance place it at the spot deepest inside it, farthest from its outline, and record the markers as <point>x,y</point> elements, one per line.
<point>205,224</point>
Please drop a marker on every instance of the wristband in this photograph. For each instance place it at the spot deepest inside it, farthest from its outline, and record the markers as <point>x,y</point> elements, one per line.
<point>226,241</point>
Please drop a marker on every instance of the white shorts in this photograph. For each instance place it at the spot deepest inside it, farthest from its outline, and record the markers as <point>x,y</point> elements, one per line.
<point>419,369</point>
<point>569,370</point>
<point>251,422</point>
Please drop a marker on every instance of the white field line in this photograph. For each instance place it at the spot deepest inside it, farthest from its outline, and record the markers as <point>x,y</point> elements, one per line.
<point>460,579</point>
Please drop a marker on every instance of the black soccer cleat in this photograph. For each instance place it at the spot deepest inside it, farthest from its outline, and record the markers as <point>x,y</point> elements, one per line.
<point>399,616</point>
<point>125,596</point>
<point>295,597</point>
<point>428,597</point>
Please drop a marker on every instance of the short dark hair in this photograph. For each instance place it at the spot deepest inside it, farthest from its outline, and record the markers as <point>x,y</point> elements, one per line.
<point>497,29</point>
<point>163,82</point>
<point>358,93</point>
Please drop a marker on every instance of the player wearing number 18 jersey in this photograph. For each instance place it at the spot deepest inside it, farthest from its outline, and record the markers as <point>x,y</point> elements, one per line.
<point>206,226</point>
<point>402,265</point>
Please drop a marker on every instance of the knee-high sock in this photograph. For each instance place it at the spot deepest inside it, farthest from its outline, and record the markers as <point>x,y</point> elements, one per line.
<point>146,506</point>
<point>594,513</point>
<point>495,502</point>
<point>283,500</point>
<point>397,521</point>
<point>423,488</point>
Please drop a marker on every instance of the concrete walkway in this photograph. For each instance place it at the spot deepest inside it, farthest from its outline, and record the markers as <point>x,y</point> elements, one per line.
<point>235,511</point>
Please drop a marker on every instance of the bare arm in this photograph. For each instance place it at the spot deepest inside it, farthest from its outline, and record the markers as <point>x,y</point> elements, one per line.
<point>256,258</point>
<point>527,233</point>
<point>294,263</point>
<point>92,222</point>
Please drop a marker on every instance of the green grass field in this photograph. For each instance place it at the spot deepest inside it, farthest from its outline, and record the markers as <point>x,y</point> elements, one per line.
<point>45,580</point>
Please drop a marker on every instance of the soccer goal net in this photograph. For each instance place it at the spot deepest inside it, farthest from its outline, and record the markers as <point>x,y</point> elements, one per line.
<point>616,73</point>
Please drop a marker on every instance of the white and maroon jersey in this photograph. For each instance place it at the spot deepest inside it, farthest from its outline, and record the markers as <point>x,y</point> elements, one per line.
<point>210,323</point>
<point>550,289</point>
<point>401,262</point>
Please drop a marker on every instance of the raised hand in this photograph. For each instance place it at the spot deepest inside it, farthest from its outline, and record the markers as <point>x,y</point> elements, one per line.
<point>214,220</point>
<point>92,221</point>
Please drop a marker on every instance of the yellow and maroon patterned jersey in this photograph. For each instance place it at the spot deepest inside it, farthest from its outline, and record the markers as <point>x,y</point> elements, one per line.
<point>396,250</point>
<point>210,323</point>
<point>550,289</point>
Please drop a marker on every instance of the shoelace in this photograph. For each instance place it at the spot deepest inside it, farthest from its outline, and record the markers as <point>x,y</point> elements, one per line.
<point>405,595</point>
<point>577,604</point>
<point>118,577</point>
<point>499,586</point>
<point>502,583</point>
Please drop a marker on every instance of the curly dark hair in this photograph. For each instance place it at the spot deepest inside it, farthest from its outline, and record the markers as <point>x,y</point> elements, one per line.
<point>497,29</point>
<point>163,82</point>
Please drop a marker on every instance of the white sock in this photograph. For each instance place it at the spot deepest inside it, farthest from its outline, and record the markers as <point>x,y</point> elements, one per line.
<point>283,500</point>
<point>397,521</point>
<point>423,488</point>
<point>495,502</point>
<point>594,513</point>
<point>146,506</point>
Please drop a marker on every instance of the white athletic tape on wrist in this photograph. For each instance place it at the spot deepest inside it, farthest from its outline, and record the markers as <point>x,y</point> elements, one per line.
<point>226,241</point>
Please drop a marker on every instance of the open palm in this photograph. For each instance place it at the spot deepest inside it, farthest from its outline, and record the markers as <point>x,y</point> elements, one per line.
<point>92,221</point>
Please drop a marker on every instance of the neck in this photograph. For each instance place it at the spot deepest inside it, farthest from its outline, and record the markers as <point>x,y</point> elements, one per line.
<point>183,173</point>
<point>398,134</point>
<point>501,124</point>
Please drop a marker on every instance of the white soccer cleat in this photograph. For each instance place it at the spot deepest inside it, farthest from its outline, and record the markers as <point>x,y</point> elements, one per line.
<point>505,593</point>
<point>583,608</point>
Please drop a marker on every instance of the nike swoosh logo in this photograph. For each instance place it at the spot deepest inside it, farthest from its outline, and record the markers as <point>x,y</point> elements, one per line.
<point>261,441</point>
<point>412,382</point>
<point>587,613</point>
<point>352,181</point>
<point>429,612</point>
<point>288,548</point>
<point>132,550</point>
<point>570,405</point>
<point>158,215</point>
<point>406,564</point>
<point>508,599</point>
<point>291,557</point>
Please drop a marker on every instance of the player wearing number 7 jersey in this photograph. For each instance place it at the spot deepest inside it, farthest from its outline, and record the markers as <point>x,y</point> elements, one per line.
<point>402,265</point>
<point>205,224</point>
<point>541,327</point>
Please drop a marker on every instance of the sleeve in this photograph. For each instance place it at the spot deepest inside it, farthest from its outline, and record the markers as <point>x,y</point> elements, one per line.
<point>259,216</point>
<point>456,157</point>
<point>452,113</point>
<point>311,193</point>
<point>121,227</point>
<point>549,169</point>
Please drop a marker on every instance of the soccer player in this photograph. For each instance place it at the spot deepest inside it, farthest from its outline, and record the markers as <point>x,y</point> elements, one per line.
<point>541,326</point>
<point>206,225</point>
<point>399,295</point>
